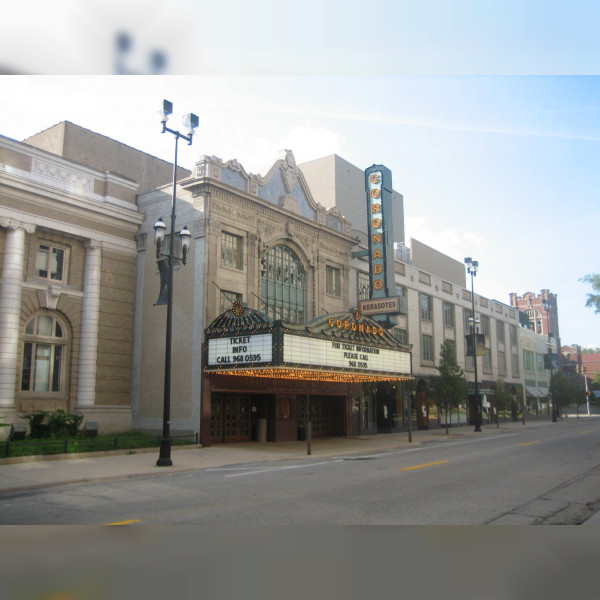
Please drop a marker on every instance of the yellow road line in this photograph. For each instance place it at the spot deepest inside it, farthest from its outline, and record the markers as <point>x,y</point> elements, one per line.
<point>125,522</point>
<point>440,462</point>
<point>582,432</point>
<point>529,443</point>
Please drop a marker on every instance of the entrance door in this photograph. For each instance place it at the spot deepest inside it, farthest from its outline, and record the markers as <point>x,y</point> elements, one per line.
<point>230,419</point>
<point>321,414</point>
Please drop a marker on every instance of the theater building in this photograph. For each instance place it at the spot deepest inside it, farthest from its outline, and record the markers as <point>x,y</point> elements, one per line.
<point>264,325</point>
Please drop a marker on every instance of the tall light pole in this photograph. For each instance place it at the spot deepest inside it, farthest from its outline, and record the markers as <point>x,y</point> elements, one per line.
<point>472,267</point>
<point>546,305</point>
<point>587,391</point>
<point>190,121</point>
<point>551,364</point>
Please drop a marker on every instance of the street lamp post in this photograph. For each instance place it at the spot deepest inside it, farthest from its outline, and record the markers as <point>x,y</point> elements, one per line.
<point>551,363</point>
<point>546,305</point>
<point>190,121</point>
<point>472,267</point>
<point>587,392</point>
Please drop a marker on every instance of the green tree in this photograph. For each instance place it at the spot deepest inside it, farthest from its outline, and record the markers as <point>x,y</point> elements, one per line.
<point>564,392</point>
<point>593,300</point>
<point>502,399</point>
<point>449,388</point>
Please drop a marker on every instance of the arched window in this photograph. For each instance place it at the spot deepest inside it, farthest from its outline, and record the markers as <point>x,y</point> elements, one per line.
<point>283,285</point>
<point>535,320</point>
<point>44,355</point>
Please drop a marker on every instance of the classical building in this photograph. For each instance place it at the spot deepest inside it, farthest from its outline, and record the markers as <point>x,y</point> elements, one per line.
<point>68,257</point>
<point>68,226</point>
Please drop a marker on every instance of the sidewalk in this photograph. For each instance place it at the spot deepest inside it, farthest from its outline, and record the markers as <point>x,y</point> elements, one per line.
<point>27,473</point>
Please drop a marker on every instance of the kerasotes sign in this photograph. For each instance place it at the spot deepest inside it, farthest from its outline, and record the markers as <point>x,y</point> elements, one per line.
<point>378,183</point>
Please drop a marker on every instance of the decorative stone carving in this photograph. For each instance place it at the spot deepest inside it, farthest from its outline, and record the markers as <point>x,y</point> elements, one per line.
<point>52,296</point>
<point>289,202</point>
<point>253,185</point>
<point>200,169</point>
<point>290,170</point>
<point>62,174</point>
<point>12,224</point>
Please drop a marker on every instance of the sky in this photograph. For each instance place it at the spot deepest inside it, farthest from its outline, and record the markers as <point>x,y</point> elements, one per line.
<point>488,117</point>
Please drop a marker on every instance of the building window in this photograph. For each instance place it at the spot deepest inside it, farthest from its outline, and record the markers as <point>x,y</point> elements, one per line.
<point>540,363</point>
<point>334,281</point>
<point>427,348</point>
<point>424,278</point>
<point>514,362</point>
<point>469,363</point>
<point>44,354</point>
<point>467,316</point>
<point>487,360</point>
<point>227,299</point>
<point>449,314</point>
<point>485,325</point>
<point>363,286</point>
<point>283,285</point>
<point>50,262</point>
<point>535,320</point>
<point>501,363</point>
<point>400,334</point>
<point>528,361</point>
<point>452,345</point>
<point>232,255</point>
<point>401,292</point>
<point>426,307</point>
<point>513,335</point>
<point>500,331</point>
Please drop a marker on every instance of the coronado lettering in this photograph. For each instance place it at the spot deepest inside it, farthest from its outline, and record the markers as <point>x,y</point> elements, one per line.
<point>354,326</point>
<point>376,230</point>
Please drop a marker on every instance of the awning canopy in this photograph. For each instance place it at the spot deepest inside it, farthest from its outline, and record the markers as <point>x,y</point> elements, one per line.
<point>537,392</point>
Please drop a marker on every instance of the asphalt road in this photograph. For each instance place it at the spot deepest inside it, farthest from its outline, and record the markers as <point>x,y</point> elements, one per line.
<point>533,476</point>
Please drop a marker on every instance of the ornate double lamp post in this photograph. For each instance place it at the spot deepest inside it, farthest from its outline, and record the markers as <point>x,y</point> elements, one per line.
<point>472,267</point>
<point>190,121</point>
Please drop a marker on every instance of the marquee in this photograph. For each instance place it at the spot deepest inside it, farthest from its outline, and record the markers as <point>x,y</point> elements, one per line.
<point>344,347</point>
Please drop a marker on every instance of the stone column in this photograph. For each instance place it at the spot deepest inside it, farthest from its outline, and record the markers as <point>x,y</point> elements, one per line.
<point>10,308</point>
<point>88,345</point>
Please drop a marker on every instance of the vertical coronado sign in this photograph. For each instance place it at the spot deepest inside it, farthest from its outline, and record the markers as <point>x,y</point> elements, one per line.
<point>378,184</point>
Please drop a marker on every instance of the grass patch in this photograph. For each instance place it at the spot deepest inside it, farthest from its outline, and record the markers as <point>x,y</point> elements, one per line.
<point>73,445</point>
